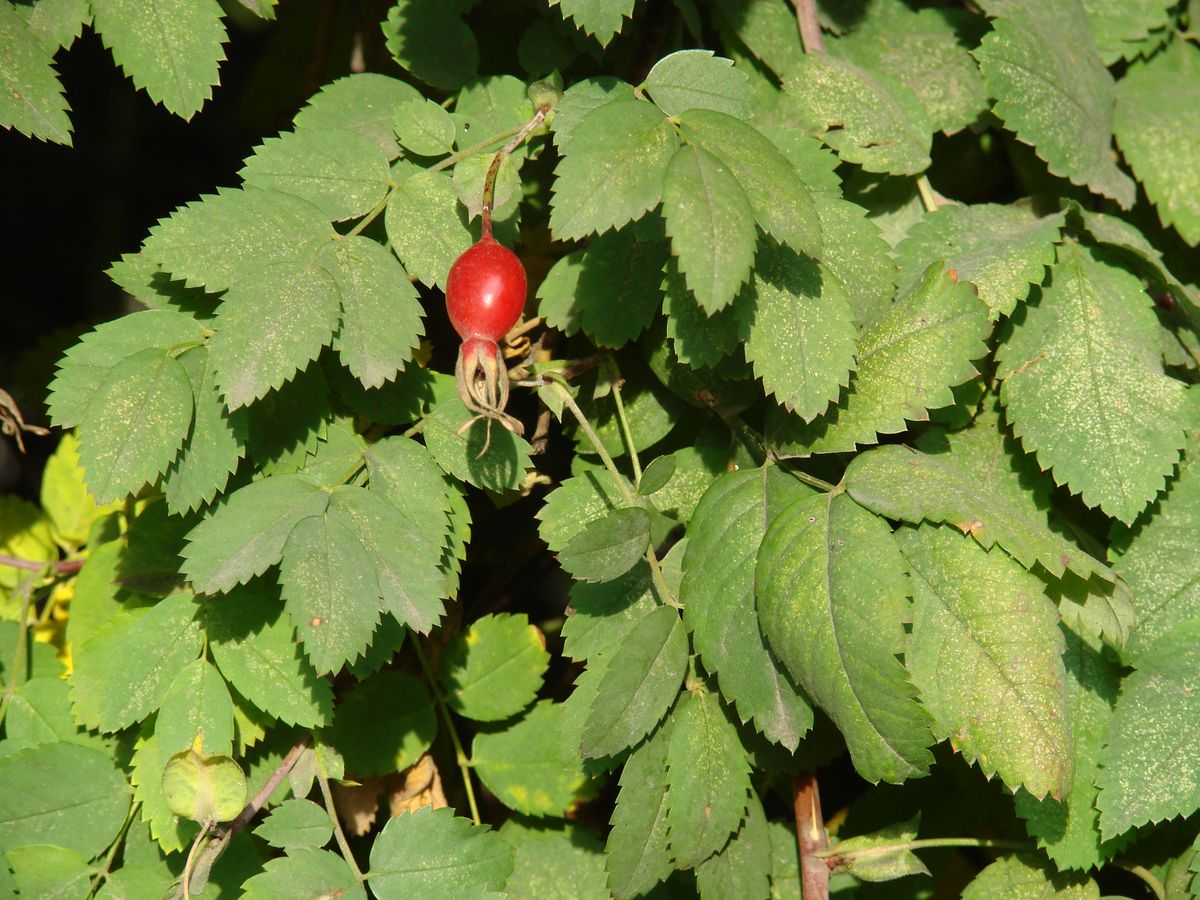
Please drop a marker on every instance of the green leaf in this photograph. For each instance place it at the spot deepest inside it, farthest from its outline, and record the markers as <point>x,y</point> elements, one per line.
<point>226,239</point>
<point>86,365</point>
<point>489,106</point>
<point>782,204</point>
<point>578,501</point>
<point>550,867</point>
<point>711,225</point>
<point>1001,250</point>
<point>708,780</point>
<point>639,685</point>
<point>609,547</point>
<point>1069,829</point>
<point>700,339</point>
<point>802,340</point>
<point>253,642</point>
<point>171,50</point>
<point>602,19</point>
<point>531,766</point>
<point>637,854</point>
<point>1054,93</point>
<point>424,227</point>
<point>204,788</point>
<point>1157,558</point>
<point>877,862</point>
<point>62,794</point>
<point>1122,30</point>
<point>342,172</point>
<point>64,495</point>
<point>329,588</point>
<point>424,127</point>
<point>1149,766</point>
<point>616,288</point>
<point>501,467</point>
<point>855,255</point>
<point>866,117</point>
<point>603,614</point>
<point>375,290</point>
<point>717,594</point>
<point>741,868</point>
<point>986,655</point>
<point>286,426</point>
<point>40,713</point>
<point>909,357</point>
<point>57,23</point>
<point>364,103</point>
<point>170,831</point>
<point>433,853</point>
<point>124,672</point>
<point>925,51</point>
<point>41,870</point>
<point>31,96</point>
<point>383,725</point>
<point>1090,348</point>
<point>272,324</point>
<point>429,39</point>
<point>581,98</point>
<point>296,823</point>
<point>214,446</point>
<point>305,874</point>
<point>915,487</point>
<point>696,79</point>
<point>612,170</point>
<point>135,424</point>
<point>1023,876</point>
<point>494,669</point>
<point>767,28</point>
<point>468,179</point>
<point>1157,125</point>
<point>245,535</point>
<point>406,555</point>
<point>832,600</point>
<point>197,703</point>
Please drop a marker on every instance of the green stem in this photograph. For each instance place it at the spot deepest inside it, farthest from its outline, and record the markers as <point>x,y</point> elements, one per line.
<point>460,756</point>
<point>813,481</point>
<point>372,215</point>
<point>1146,876</point>
<point>626,432</point>
<point>925,189</point>
<point>660,582</point>
<point>191,858</point>
<point>102,873</point>
<point>327,794</point>
<point>924,843</point>
<point>455,158</point>
<point>598,445</point>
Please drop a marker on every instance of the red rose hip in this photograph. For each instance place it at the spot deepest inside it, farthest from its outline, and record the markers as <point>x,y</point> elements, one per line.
<point>485,291</point>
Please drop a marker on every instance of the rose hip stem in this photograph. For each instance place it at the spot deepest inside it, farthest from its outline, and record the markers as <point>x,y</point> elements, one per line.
<point>489,181</point>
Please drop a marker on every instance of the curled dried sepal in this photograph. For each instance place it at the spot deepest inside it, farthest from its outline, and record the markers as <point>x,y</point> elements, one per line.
<point>482,379</point>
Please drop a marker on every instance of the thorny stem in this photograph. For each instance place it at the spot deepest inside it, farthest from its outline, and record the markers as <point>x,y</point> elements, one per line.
<point>810,26</point>
<point>460,756</point>
<point>489,182</point>
<point>925,189</point>
<point>835,857</point>
<point>811,838</point>
<point>217,846</point>
<point>62,567</point>
<point>338,833</point>
<point>616,381</point>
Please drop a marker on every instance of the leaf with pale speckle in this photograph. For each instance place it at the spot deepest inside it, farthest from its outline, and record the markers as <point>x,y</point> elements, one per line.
<point>986,655</point>
<point>170,48</point>
<point>1084,387</point>
<point>31,96</point>
<point>1023,876</point>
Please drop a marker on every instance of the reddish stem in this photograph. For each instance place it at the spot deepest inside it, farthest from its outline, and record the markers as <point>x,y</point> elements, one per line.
<point>489,181</point>
<point>62,567</point>
<point>810,836</point>
<point>810,26</point>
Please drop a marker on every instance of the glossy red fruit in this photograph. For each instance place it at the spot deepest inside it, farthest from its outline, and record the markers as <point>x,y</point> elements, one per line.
<point>485,291</point>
